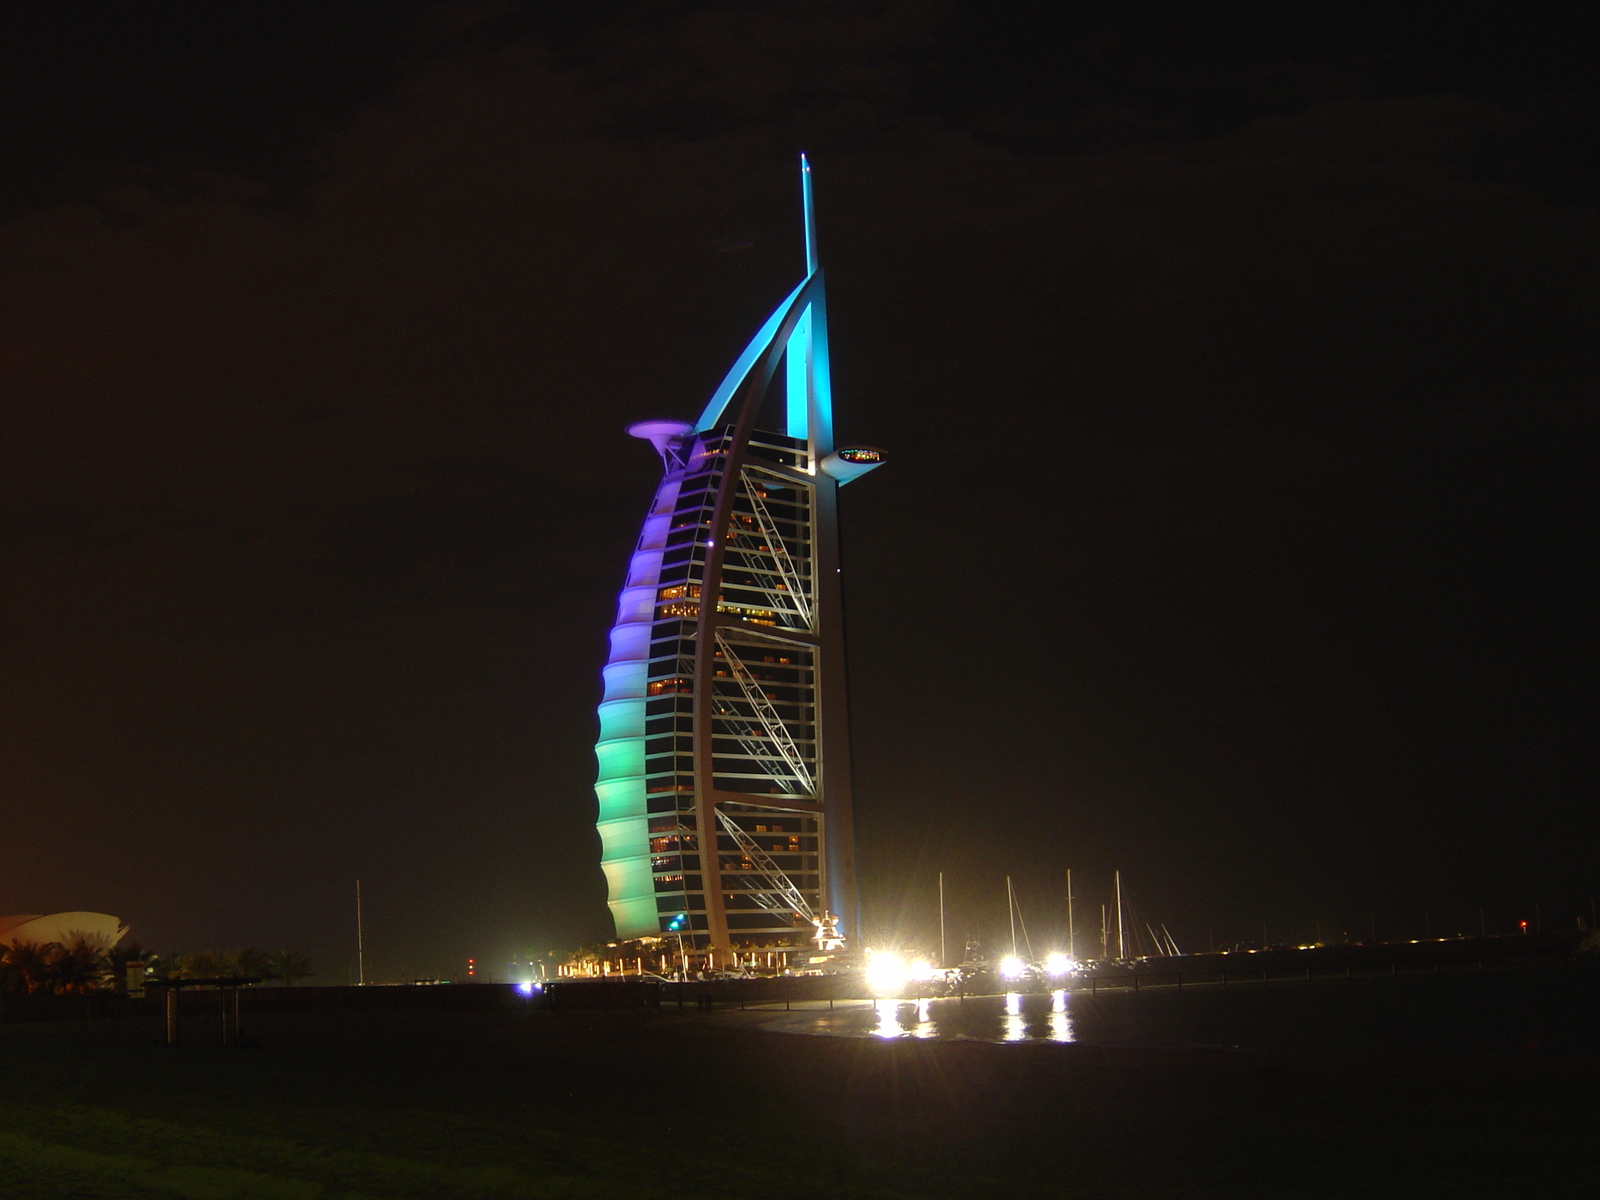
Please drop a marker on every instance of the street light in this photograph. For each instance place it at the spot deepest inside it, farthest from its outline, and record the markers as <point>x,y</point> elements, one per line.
<point>676,926</point>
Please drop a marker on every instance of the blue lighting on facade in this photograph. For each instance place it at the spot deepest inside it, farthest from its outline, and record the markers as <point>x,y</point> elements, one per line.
<point>741,367</point>
<point>798,358</point>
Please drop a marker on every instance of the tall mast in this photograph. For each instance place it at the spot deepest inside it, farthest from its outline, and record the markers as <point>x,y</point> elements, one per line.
<point>1072,944</point>
<point>944,959</point>
<point>1121,953</point>
<point>361,950</point>
<point>1012,908</point>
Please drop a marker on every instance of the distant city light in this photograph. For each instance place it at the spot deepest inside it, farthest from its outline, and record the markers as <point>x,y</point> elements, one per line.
<point>1012,967</point>
<point>527,987</point>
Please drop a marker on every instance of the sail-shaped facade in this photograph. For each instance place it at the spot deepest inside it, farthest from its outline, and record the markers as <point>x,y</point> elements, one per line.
<point>724,756</point>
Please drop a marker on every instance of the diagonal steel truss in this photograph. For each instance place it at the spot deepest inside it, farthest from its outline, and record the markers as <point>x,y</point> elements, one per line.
<point>776,731</point>
<point>781,883</point>
<point>752,743</point>
<point>775,549</point>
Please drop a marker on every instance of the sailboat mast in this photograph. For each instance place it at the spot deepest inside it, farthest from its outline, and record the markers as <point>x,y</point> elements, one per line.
<point>1010,904</point>
<point>944,959</point>
<point>1072,944</point>
<point>361,945</point>
<point>1121,950</point>
<point>1012,908</point>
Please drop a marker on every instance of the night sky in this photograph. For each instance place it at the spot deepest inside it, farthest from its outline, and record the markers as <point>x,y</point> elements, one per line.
<point>1236,370</point>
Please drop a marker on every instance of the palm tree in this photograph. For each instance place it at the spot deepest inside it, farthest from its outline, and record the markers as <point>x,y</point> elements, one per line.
<point>13,975</point>
<point>32,964</point>
<point>252,963</point>
<point>80,965</point>
<point>202,964</point>
<point>289,966</point>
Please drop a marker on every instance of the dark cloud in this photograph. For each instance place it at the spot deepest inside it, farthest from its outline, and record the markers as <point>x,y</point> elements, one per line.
<point>102,95</point>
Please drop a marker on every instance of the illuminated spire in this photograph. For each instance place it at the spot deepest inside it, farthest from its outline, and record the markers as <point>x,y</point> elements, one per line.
<point>811,215</point>
<point>798,329</point>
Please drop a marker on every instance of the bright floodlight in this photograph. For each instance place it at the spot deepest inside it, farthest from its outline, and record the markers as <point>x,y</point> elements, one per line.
<point>1059,964</point>
<point>886,973</point>
<point>1012,967</point>
<point>920,971</point>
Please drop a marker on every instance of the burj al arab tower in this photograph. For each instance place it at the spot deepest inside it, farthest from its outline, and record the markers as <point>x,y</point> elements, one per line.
<point>724,751</point>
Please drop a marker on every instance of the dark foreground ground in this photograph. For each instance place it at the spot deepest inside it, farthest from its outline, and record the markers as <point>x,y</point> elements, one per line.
<point>510,1104</point>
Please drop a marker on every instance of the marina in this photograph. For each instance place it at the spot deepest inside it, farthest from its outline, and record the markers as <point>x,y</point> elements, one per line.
<point>1545,1010</point>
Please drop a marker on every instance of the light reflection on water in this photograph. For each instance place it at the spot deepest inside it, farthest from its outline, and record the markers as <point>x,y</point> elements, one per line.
<point>1016,1018</point>
<point>1016,1025</point>
<point>905,1018</point>
<point>1060,1018</point>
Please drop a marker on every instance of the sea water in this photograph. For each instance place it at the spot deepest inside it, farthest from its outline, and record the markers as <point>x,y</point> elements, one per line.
<point>1549,1011</point>
<point>1017,1017</point>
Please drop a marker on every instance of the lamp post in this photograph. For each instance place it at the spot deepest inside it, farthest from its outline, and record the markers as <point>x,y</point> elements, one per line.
<point>676,926</point>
